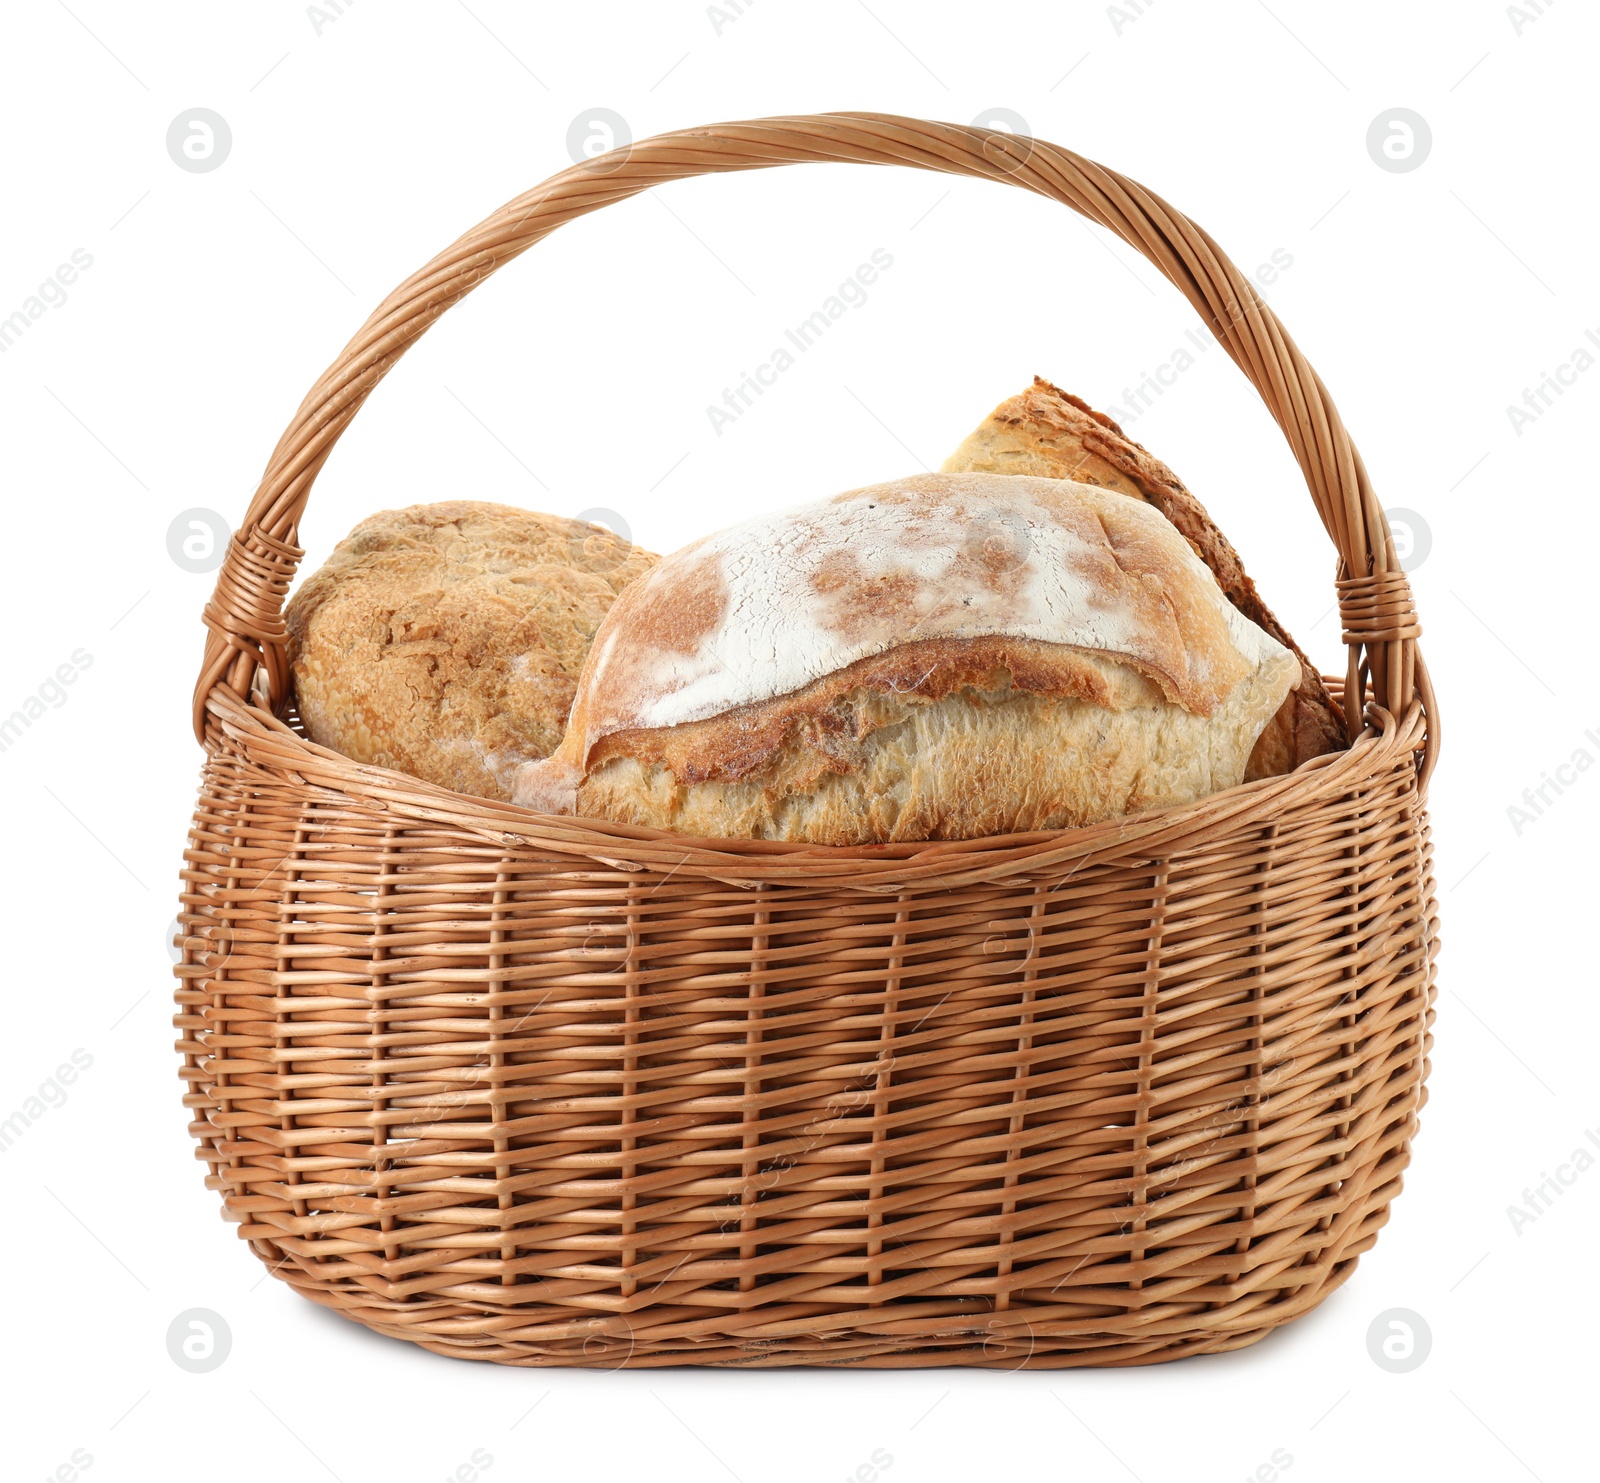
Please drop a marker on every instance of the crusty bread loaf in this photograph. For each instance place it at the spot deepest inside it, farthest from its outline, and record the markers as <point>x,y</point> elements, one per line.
<point>1051,434</point>
<point>941,657</point>
<point>445,640</point>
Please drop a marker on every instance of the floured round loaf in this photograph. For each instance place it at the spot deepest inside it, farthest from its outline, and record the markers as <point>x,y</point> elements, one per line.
<point>445,640</point>
<point>942,657</point>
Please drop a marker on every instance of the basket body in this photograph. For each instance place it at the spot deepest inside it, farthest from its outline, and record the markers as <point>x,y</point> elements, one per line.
<point>519,1105</point>
<point>558,1092</point>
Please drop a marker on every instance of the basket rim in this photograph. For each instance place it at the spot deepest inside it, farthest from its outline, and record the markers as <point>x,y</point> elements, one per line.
<point>276,747</point>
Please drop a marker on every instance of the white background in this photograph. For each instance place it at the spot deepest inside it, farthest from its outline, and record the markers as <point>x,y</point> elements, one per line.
<point>1429,300</point>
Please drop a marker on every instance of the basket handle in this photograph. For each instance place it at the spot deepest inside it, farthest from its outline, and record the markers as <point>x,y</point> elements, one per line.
<point>245,614</point>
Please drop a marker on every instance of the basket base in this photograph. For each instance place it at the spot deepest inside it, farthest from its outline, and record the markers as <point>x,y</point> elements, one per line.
<point>869,1339</point>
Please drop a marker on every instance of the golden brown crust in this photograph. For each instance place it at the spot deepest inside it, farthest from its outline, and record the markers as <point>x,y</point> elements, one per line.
<point>739,742</point>
<point>1001,737</point>
<point>445,640</point>
<point>1048,432</point>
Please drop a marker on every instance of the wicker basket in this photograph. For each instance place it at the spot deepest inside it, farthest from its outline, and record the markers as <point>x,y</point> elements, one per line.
<point>553,1091</point>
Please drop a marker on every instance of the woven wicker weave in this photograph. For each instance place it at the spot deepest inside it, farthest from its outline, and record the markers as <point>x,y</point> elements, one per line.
<point>560,1092</point>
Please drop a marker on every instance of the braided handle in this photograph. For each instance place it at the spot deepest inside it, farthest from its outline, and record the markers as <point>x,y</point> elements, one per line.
<point>245,614</point>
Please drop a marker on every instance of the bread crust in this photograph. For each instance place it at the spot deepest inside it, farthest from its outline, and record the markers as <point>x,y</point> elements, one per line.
<point>945,740</point>
<point>1093,670</point>
<point>445,640</point>
<point>739,743</point>
<point>1047,432</point>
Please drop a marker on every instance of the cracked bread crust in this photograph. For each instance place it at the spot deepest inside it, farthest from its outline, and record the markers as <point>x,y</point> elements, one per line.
<point>1047,432</point>
<point>445,640</point>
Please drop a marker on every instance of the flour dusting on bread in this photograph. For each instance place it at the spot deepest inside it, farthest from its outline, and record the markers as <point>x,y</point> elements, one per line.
<point>767,606</point>
<point>763,628</point>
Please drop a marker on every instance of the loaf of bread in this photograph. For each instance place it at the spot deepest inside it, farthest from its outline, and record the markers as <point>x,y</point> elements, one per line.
<point>445,640</point>
<point>1049,433</point>
<point>942,657</point>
